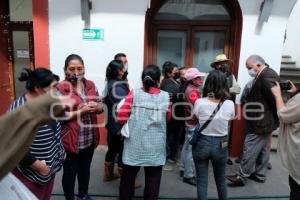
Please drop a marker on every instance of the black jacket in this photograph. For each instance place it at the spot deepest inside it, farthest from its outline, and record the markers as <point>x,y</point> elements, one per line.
<point>266,120</point>
<point>116,91</point>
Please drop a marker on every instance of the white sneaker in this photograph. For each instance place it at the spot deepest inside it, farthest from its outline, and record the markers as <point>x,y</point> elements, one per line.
<point>167,167</point>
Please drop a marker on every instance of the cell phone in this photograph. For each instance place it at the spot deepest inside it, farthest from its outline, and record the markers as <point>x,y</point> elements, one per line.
<point>224,144</point>
<point>285,85</point>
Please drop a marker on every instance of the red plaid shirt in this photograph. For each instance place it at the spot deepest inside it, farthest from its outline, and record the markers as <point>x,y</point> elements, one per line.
<point>86,134</point>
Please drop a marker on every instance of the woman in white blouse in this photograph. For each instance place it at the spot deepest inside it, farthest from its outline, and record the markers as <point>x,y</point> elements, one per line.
<point>212,142</point>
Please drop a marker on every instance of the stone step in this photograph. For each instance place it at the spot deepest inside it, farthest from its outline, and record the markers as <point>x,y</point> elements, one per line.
<point>289,59</point>
<point>274,144</point>
<point>275,135</point>
<point>289,76</point>
<point>289,68</point>
<point>290,72</point>
<point>288,62</point>
<point>286,56</point>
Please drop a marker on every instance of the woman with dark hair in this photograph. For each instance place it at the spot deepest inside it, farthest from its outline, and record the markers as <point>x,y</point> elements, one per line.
<point>172,86</point>
<point>215,111</point>
<point>146,111</point>
<point>116,90</point>
<point>45,156</point>
<point>81,134</point>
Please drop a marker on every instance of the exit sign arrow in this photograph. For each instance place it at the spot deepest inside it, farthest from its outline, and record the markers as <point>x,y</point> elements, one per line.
<point>92,34</point>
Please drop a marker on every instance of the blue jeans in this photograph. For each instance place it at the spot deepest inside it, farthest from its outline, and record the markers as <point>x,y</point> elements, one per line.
<point>208,148</point>
<point>187,156</point>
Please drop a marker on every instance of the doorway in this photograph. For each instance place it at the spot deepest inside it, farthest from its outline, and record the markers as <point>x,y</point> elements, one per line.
<point>20,42</point>
<point>191,33</point>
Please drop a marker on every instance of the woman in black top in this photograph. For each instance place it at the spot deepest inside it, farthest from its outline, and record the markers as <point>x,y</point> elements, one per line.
<point>116,90</point>
<point>172,86</point>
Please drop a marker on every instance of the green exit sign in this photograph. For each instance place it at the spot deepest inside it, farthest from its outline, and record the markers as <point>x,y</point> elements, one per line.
<point>93,34</point>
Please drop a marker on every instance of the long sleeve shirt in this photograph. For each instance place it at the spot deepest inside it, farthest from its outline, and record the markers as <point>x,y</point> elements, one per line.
<point>289,136</point>
<point>18,129</point>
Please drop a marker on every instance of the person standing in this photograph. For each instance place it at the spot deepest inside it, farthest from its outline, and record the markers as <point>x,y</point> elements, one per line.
<point>193,83</point>
<point>180,114</point>
<point>261,121</point>
<point>117,89</point>
<point>26,121</point>
<point>171,85</point>
<point>214,110</point>
<point>289,136</point>
<point>46,153</point>
<point>223,64</point>
<point>123,58</point>
<point>146,111</point>
<point>81,134</point>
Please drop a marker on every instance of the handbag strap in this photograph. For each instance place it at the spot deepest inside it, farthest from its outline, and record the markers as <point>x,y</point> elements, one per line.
<point>211,116</point>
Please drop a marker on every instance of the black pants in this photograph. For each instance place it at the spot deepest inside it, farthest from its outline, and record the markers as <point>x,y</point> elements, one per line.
<point>173,139</point>
<point>152,182</point>
<point>115,148</point>
<point>295,189</point>
<point>77,164</point>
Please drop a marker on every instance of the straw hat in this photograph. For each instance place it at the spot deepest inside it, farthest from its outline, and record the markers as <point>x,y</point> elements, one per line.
<point>219,59</point>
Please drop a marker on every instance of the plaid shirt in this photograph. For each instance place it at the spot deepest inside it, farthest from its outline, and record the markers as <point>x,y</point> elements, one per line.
<point>86,134</point>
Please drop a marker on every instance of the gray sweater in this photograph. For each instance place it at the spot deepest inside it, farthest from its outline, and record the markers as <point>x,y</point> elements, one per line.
<point>289,137</point>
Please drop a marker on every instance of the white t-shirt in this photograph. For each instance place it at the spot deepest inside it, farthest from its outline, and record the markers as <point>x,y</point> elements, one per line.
<point>203,109</point>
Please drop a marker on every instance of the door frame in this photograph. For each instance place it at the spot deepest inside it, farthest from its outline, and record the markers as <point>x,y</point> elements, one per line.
<point>234,30</point>
<point>25,26</point>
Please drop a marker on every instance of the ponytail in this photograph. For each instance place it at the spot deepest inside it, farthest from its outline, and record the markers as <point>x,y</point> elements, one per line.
<point>148,82</point>
<point>151,76</point>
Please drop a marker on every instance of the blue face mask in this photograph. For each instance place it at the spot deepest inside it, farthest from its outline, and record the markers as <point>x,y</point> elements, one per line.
<point>251,72</point>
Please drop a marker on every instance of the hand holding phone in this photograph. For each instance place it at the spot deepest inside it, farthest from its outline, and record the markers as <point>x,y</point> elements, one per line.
<point>285,85</point>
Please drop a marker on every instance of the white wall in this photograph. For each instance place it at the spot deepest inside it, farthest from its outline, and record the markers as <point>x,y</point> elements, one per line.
<point>268,42</point>
<point>124,32</point>
<point>123,25</point>
<point>292,43</point>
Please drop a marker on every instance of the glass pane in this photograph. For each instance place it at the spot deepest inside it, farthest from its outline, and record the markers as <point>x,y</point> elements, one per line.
<point>207,46</point>
<point>20,10</point>
<point>193,10</point>
<point>21,58</point>
<point>171,47</point>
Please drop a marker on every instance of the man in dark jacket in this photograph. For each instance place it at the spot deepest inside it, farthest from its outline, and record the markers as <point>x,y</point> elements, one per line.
<point>261,121</point>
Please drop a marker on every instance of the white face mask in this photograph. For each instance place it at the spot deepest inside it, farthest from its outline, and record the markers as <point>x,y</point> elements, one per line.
<point>251,72</point>
<point>80,77</point>
<point>126,67</point>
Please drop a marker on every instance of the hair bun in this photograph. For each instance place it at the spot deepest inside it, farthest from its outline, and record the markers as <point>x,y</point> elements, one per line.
<point>25,74</point>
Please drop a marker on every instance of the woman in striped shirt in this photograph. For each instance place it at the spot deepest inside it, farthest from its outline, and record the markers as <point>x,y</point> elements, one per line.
<point>45,156</point>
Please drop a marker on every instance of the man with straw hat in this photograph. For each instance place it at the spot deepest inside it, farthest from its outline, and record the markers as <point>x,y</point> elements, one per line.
<point>223,64</point>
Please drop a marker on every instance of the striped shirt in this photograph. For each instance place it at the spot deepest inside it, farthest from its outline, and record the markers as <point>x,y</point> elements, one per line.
<point>47,146</point>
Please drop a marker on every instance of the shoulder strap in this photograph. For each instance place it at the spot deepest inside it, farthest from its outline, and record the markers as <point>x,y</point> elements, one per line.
<point>211,116</point>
